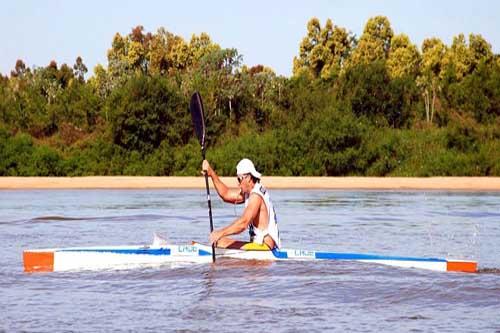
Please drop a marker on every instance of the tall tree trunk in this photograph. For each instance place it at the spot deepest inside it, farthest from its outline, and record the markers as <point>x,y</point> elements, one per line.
<point>433,101</point>
<point>426,101</point>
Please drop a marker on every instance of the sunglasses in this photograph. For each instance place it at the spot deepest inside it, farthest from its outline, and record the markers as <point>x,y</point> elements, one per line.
<point>240,178</point>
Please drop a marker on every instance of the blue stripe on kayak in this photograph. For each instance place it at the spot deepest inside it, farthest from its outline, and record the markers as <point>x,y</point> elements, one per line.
<point>280,254</point>
<point>153,252</point>
<point>276,252</point>
<point>204,253</point>
<point>357,256</point>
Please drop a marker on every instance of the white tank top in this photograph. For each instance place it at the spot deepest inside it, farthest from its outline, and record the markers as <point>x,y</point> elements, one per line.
<point>272,226</point>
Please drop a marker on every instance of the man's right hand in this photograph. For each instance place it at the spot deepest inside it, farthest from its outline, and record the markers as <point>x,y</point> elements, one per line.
<point>206,168</point>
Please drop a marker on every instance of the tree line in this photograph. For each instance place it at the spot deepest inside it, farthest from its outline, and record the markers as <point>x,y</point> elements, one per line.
<point>375,105</point>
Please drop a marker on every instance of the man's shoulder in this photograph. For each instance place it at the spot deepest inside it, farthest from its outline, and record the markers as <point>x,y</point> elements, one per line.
<point>256,196</point>
<point>259,189</point>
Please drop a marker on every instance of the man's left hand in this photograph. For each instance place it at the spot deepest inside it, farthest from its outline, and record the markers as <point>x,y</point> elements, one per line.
<point>215,236</point>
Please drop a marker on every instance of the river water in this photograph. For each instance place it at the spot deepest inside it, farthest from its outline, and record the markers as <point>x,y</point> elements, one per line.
<point>235,295</point>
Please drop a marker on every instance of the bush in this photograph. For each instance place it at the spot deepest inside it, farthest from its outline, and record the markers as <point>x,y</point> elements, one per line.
<point>147,111</point>
<point>187,159</point>
<point>327,143</point>
<point>386,151</point>
<point>96,158</point>
<point>15,154</point>
<point>45,161</point>
<point>20,157</point>
<point>478,94</point>
<point>463,137</point>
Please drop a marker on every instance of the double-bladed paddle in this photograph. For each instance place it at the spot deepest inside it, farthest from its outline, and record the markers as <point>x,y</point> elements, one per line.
<point>198,116</point>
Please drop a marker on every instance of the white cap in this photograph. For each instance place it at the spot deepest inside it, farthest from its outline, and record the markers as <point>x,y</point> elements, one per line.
<point>246,166</point>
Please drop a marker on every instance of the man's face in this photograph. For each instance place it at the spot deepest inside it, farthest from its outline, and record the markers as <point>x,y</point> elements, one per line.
<point>244,182</point>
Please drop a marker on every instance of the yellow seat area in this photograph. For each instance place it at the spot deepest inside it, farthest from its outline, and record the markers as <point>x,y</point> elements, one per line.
<point>255,247</point>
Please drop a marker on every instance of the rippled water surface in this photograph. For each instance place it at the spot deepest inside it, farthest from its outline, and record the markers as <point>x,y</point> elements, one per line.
<point>255,296</point>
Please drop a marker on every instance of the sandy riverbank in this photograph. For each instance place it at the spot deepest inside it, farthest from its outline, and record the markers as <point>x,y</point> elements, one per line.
<point>356,183</point>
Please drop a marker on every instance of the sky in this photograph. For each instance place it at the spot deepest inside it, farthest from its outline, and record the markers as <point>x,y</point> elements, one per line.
<point>266,32</point>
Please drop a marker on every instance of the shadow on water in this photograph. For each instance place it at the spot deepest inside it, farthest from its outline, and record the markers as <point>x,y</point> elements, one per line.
<point>415,317</point>
<point>489,270</point>
<point>60,218</point>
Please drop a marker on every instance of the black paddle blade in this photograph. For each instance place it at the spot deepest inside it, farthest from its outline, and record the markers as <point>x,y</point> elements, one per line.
<point>198,116</point>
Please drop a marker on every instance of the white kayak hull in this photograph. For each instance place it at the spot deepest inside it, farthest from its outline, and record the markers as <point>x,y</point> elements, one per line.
<point>118,257</point>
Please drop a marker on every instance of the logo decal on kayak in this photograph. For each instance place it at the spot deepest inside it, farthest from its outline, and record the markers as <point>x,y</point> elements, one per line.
<point>187,249</point>
<point>301,254</point>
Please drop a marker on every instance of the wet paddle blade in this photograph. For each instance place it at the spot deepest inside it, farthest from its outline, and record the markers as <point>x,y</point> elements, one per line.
<point>198,116</point>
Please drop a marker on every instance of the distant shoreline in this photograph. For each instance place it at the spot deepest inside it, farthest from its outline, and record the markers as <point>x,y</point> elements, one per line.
<point>340,183</point>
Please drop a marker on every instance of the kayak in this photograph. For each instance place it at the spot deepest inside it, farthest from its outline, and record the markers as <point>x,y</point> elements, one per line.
<point>119,257</point>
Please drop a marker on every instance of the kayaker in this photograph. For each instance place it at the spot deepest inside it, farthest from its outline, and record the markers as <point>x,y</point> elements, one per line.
<point>259,216</point>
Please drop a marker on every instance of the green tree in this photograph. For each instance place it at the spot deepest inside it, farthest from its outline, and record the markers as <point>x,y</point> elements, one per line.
<point>323,51</point>
<point>201,46</point>
<point>431,66</point>
<point>478,94</point>
<point>118,66</point>
<point>217,80</point>
<point>375,42</point>
<point>462,58</point>
<point>458,59</point>
<point>41,101</point>
<point>371,93</point>
<point>403,58</point>
<point>258,97</point>
<point>157,53</point>
<point>146,111</point>
<point>80,107</point>
<point>15,153</point>
<point>480,50</point>
<point>6,104</point>
<point>101,82</point>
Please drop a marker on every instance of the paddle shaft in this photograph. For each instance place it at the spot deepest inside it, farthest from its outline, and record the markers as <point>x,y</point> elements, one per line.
<point>198,117</point>
<point>209,204</point>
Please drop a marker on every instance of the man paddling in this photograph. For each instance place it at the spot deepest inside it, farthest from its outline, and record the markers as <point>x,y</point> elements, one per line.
<point>258,216</point>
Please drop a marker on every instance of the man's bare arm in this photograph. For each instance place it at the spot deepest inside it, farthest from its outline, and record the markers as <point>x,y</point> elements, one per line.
<point>240,224</point>
<point>227,194</point>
